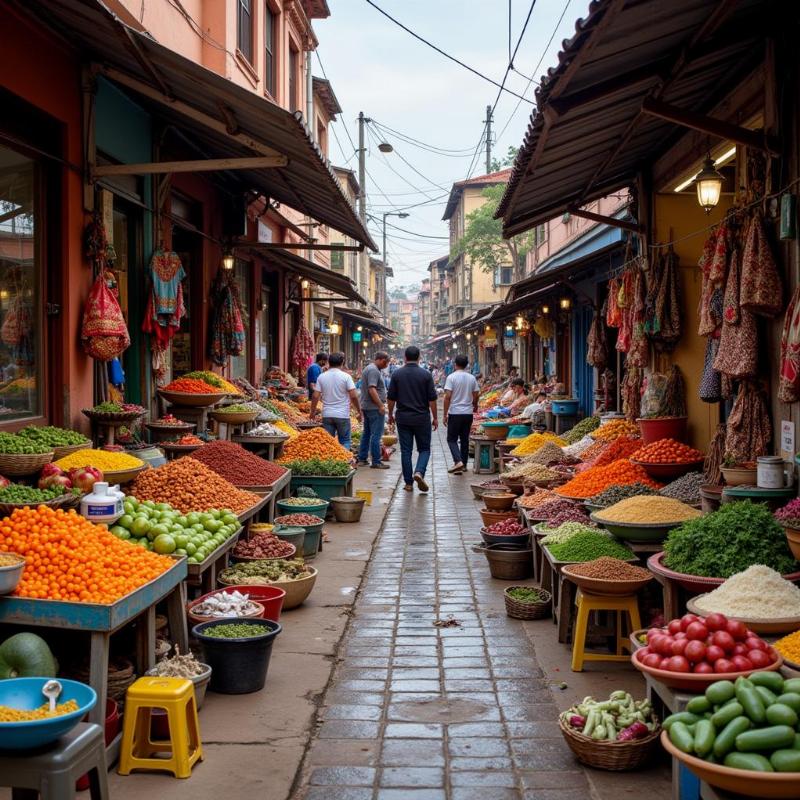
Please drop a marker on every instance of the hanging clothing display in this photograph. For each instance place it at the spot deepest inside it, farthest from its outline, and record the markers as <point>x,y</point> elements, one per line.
<point>613,311</point>
<point>165,307</point>
<point>789,385</point>
<point>663,314</point>
<point>749,429</point>
<point>625,301</point>
<point>302,349</point>
<point>737,356</point>
<point>639,351</point>
<point>596,345</point>
<point>227,325</point>
<point>104,334</point>
<point>761,291</point>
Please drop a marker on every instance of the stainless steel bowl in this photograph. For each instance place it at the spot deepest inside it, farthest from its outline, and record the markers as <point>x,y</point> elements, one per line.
<point>10,575</point>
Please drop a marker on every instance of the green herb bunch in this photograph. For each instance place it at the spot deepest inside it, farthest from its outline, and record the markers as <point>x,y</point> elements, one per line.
<point>318,466</point>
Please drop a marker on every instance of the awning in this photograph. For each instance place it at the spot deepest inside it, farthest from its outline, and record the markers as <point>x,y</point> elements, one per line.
<point>439,337</point>
<point>365,318</point>
<point>322,276</point>
<point>221,119</point>
<point>589,135</point>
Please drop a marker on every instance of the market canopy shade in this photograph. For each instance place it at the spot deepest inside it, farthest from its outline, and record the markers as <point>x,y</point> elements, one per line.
<point>607,109</point>
<point>365,318</point>
<point>223,119</point>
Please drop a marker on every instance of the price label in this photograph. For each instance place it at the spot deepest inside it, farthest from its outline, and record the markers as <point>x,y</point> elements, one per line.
<point>787,440</point>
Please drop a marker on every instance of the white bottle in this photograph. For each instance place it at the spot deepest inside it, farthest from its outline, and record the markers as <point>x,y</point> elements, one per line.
<point>103,505</point>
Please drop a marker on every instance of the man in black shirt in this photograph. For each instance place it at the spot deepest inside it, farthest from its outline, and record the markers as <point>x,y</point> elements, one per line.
<point>412,392</point>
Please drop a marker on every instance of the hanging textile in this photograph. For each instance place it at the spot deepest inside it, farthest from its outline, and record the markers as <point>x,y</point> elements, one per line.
<point>749,428</point>
<point>710,380</point>
<point>302,349</point>
<point>737,355</point>
<point>227,326</point>
<point>631,389</point>
<point>166,273</point>
<point>613,311</point>
<point>713,277</point>
<point>789,384</point>
<point>639,351</point>
<point>662,310</point>
<point>596,345</point>
<point>626,302</point>
<point>104,334</point>
<point>761,291</point>
<point>97,248</point>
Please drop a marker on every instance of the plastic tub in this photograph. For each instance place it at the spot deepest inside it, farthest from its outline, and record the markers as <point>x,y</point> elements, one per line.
<point>270,597</point>
<point>565,408</point>
<point>318,509</point>
<point>295,536</point>
<point>238,666</point>
<point>663,428</point>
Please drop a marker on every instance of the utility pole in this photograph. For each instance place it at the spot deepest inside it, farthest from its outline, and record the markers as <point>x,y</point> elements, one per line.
<point>488,123</point>
<point>363,266</point>
<point>384,302</point>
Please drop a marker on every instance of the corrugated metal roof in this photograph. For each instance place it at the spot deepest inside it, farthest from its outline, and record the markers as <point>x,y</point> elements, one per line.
<point>587,136</point>
<point>307,183</point>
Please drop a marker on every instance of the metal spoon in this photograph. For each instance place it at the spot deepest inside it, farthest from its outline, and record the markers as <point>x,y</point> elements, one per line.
<point>51,690</point>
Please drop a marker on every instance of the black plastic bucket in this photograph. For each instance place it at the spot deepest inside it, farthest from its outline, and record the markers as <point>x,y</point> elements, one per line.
<point>238,666</point>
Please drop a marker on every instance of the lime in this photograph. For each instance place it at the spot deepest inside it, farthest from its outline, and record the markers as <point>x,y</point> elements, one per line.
<point>140,526</point>
<point>163,506</point>
<point>192,560</point>
<point>180,552</point>
<point>125,521</point>
<point>120,532</point>
<point>215,513</point>
<point>230,519</point>
<point>190,548</point>
<point>213,525</point>
<point>128,507</point>
<point>164,544</point>
<point>182,521</point>
<point>193,518</point>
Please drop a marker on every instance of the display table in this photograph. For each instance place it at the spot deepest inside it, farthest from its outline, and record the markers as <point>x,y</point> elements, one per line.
<point>562,590</point>
<point>276,490</point>
<point>268,447</point>
<point>101,621</point>
<point>205,573</point>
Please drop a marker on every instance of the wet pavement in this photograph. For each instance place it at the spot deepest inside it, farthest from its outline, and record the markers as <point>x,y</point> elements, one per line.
<point>417,711</point>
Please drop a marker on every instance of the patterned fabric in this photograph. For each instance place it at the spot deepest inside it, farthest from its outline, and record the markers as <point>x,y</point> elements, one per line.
<point>737,355</point>
<point>302,349</point>
<point>761,291</point>
<point>749,428</point>
<point>613,311</point>
<point>639,352</point>
<point>789,385</point>
<point>104,334</point>
<point>227,326</point>
<point>166,272</point>
<point>710,380</point>
<point>596,345</point>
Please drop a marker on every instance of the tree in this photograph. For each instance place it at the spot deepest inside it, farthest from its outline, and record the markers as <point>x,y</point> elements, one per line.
<point>483,241</point>
<point>508,161</point>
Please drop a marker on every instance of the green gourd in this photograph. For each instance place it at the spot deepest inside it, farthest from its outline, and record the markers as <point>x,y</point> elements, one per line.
<point>26,655</point>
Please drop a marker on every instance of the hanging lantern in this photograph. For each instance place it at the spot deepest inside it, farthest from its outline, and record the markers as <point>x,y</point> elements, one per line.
<point>545,309</point>
<point>488,329</point>
<point>469,336</point>
<point>709,185</point>
<point>335,328</point>
<point>304,283</point>
<point>228,260</point>
<point>519,322</point>
<point>565,303</point>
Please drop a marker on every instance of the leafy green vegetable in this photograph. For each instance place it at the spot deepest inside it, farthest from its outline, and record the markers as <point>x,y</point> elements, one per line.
<point>526,594</point>
<point>728,541</point>
<point>318,466</point>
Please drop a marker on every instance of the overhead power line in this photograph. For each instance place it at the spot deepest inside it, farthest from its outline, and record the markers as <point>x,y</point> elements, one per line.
<point>405,230</point>
<point>425,145</point>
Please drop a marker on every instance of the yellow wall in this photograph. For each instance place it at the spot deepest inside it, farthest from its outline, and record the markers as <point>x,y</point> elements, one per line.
<point>677,216</point>
<point>483,290</point>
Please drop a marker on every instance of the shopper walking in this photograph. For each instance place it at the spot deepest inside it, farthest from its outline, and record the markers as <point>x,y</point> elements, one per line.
<point>338,392</point>
<point>314,371</point>
<point>461,392</point>
<point>413,394</point>
<point>373,406</point>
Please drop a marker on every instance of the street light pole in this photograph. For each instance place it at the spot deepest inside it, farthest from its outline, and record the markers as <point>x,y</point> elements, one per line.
<point>384,308</point>
<point>362,197</point>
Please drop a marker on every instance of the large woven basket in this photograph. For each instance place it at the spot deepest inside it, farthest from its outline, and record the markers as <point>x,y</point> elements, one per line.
<point>519,610</point>
<point>616,756</point>
<point>121,417</point>
<point>65,450</point>
<point>65,500</point>
<point>23,463</point>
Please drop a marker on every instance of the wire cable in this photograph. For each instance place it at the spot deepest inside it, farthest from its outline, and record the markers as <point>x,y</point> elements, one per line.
<point>408,139</point>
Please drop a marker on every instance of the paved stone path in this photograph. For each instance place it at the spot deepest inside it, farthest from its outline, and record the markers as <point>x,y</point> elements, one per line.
<point>419,712</point>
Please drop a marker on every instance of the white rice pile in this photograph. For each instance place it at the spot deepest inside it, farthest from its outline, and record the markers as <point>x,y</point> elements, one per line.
<point>757,593</point>
<point>579,446</point>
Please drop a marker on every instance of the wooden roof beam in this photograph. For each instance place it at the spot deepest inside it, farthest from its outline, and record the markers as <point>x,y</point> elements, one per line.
<point>202,165</point>
<point>633,227</point>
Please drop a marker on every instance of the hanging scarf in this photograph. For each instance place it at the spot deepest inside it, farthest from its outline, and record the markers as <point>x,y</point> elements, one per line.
<point>302,349</point>
<point>596,346</point>
<point>749,428</point>
<point>227,326</point>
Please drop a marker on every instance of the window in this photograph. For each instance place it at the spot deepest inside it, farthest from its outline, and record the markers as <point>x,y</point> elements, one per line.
<point>244,31</point>
<point>541,234</point>
<point>503,276</point>
<point>269,49</point>
<point>337,260</point>
<point>294,98</point>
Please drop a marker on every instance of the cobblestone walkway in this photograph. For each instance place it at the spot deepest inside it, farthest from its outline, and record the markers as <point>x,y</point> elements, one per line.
<point>419,712</point>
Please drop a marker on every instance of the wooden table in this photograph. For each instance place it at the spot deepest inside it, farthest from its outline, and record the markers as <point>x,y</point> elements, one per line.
<point>268,447</point>
<point>563,592</point>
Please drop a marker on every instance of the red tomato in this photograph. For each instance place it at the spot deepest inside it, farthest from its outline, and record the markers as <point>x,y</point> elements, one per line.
<point>759,658</point>
<point>652,660</point>
<point>724,640</point>
<point>739,649</point>
<point>674,626</point>
<point>678,664</point>
<point>722,665</point>
<point>652,633</point>
<point>642,652</point>
<point>716,622</point>
<point>698,631</point>
<point>663,646</point>
<point>687,620</point>
<point>703,668</point>
<point>755,643</point>
<point>737,629</point>
<point>664,663</point>
<point>680,635</point>
<point>714,653</point>
<point>678,646</point>
<point>742,664</point>
<point>695,651</point>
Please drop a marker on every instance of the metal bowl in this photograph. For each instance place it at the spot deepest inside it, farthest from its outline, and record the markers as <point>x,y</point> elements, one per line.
<point>11,575</point>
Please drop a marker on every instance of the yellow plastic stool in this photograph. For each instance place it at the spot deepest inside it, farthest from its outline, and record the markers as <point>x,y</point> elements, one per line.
<point>594,602</point>
<point>138,751</point>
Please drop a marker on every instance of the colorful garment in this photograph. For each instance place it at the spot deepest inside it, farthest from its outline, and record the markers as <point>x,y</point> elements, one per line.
<point>166,272</point>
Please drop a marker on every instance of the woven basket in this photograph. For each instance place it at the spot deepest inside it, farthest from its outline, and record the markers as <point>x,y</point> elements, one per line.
<point>121,675</point>
<point>57,502</point>
<point>518,610</point>
<point>616,756</point>
<point>123,417</point>
<point>60,452</point>
<point>23,463</point>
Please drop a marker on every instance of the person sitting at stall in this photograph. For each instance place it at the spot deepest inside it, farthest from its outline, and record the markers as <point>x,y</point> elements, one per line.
<point>535,411</point>
<point>521,401</point>
<point>513,393</point>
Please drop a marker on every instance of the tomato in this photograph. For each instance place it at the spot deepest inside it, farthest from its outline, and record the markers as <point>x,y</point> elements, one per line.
<point>716,622</point>
<point>695,651</point>
<point>680,635</point>
<point>663,646</point>
<point>724,640</point>
<point>652,660</point>
<point>714,653</point>
<point>642,652</point>
<point>742,664</point>
<point>664,663</point>
<point>687,620</point>
<point>703,668</point>
<point>698,631</point>
<point>678,646</point>
<point>652,633</point>
<point>737,629</point>
<point>755,643</point>
<point>722,665</point>
<point>674,626</point>
<point>759,658</point>
<point>678,664</point>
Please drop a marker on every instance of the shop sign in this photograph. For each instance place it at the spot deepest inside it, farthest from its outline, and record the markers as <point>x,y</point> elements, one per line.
<point>787,440</point>
<point>490,339</point>
<point>324,344</point>
<point>356,336</point>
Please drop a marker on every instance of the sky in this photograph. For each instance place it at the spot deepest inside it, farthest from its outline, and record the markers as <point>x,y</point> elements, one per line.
<point>401,84</point>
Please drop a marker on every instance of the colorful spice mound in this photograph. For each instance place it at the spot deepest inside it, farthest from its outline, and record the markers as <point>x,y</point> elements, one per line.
<point>240,408</point>
<point>326,467</point>
<point>189,486</point>
<point>569,515</point>
<point>648,510</point>
<point>314,443</point>
<point>69,558</point>
<point>11,444</point>
<point>789,647</point>
<point>789,515</point>
<point>236,630</point>
<point>592,453</point>
<point>548,453</point>
<point>531,472</point>
<point>170,419</point>
<point>728,541</point>
<point>237,465</point>
<point>579,448</point>
<point>623,447</point>
<point>212,379</point>
<point>550,508</point>
<point>9,714</point>
<point>617,427</point>
<point>565,532</point>
<point>263,545</point>
<point>301,502</point>
<point>287,429</point>
<point>757,593</point>
<point>50,436</point>
<point>597,479</point>
<point>191,386</point>
<point>507,527</point>
<point>616,493</point>
<point>668,451</point>
<point>104,460</point>
<point>611,569</point>
<point>686,488</point>
<point>535,499</point>
<point>583,428</point>
<point>586,546</point>
<point>530,444</point>
<point>302,520</point>
<point>189,440</point>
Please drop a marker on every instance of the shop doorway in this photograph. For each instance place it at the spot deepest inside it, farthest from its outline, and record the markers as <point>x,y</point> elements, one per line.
<point>188,345</point>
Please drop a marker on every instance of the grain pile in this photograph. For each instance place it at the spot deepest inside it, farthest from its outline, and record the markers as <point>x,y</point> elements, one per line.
<point>757,593</point>
<point>647,510</point>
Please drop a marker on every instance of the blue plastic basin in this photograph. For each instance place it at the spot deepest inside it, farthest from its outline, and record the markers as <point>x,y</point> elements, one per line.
<point>564,407</point>
<point>26,694</point>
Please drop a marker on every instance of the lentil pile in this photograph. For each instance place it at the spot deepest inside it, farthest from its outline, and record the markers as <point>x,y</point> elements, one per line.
<point>236,630</point>
<point>301,502</point>
<point>611,569</point>
<point>530,444</point>
<point>623,447</point>
<point>188,485</point>
<point>548,453</point>
<point>104,460</point>
<point>587,546</point>
<point>563,533</point>
<point>648,510</point>
<point>583,428</point>
<point>616,493</point>
<point>9,714</point>
<point>535,499</point>
<point>298,519</point>
<point>686,488</point>
<point>596,479</point>
<point>756,593</point>
<point>532,472</point>
<point>237,465</point>
<point>550,508</point>
<point>263,545</point>
<point>569,515</point>
<point>617,427</point>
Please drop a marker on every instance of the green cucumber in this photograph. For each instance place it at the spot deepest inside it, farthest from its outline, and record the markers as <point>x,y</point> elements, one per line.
<point>779,714</point>
<point>770,680</point>
<point>751,702</point>
<point>791,699</point>
<point>685,717</point>
<point>791,685</point>
<point>750,761</point>
<point>681,737</point>
<point>698,705</point>
<point>776,737</point>
<point>767,697</point>
<point>704,735</point>
<point>796,745</point>
<point>726,738</point>
<point>728,712</point>
<point>785,760</point>
<point>720,692</point>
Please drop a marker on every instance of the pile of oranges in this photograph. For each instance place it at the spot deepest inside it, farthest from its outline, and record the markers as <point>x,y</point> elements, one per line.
<point>69,558</point>
<point>668,451</point>
<point>314,443</point>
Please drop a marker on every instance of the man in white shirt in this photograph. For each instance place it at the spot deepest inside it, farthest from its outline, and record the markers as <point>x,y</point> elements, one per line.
<point>338,392</point>
<point>461,392</point>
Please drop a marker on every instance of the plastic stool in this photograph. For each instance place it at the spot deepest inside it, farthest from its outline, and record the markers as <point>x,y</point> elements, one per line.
<point>53,770</point>
<point>595,602</point>
<point>176,697</point>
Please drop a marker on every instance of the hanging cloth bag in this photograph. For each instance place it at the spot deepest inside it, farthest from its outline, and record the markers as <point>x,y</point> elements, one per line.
<point>613,311</point>
<point>104,334</point>
<point>789,384</point>
<point>738,346</point>
<point>596,346</point>
<point>761,291</point>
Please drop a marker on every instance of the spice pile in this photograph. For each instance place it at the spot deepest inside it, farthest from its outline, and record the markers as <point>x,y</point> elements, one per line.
<point>188,440</point>
<point>303,520</point>
<point>647,511</point>
<point>69,558</point>
<point>756,593</point>
<point>565,532</point>
<point>170,419</point>
<point>577,449</point>
<point>668,451</point>
<point>574,514</point>
<point>530,444</point>
<point>507,527</point>
<point>789,647</point>
<point>548,453</point>
<point>551,507</point>
<point>587,546</point>
<point>264,544</point>
<point>314,444</point>
<point>236,630</point>
<point>189,485</point>
<point>258,573</point>
<point>531,472</point>
<point>617,427</point>
<point>593,452</point>
<point>596,479</point>
<point>583,428</point>
<point>611,569</point>
<point>686,488</point>
<point>623,447</point>
<point>266,429</point>
<point>616,493</point>
<point>191,386</point>
<point>301,502</point>
<point>212,379</point>
<point>237,465</point>
<point>104,460</point>
<point>534,499</point>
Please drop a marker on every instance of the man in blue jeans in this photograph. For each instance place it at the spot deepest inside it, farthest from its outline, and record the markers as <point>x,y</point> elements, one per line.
<point>373,406</point>
<point>413,394</point>
<point>336,390</point>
